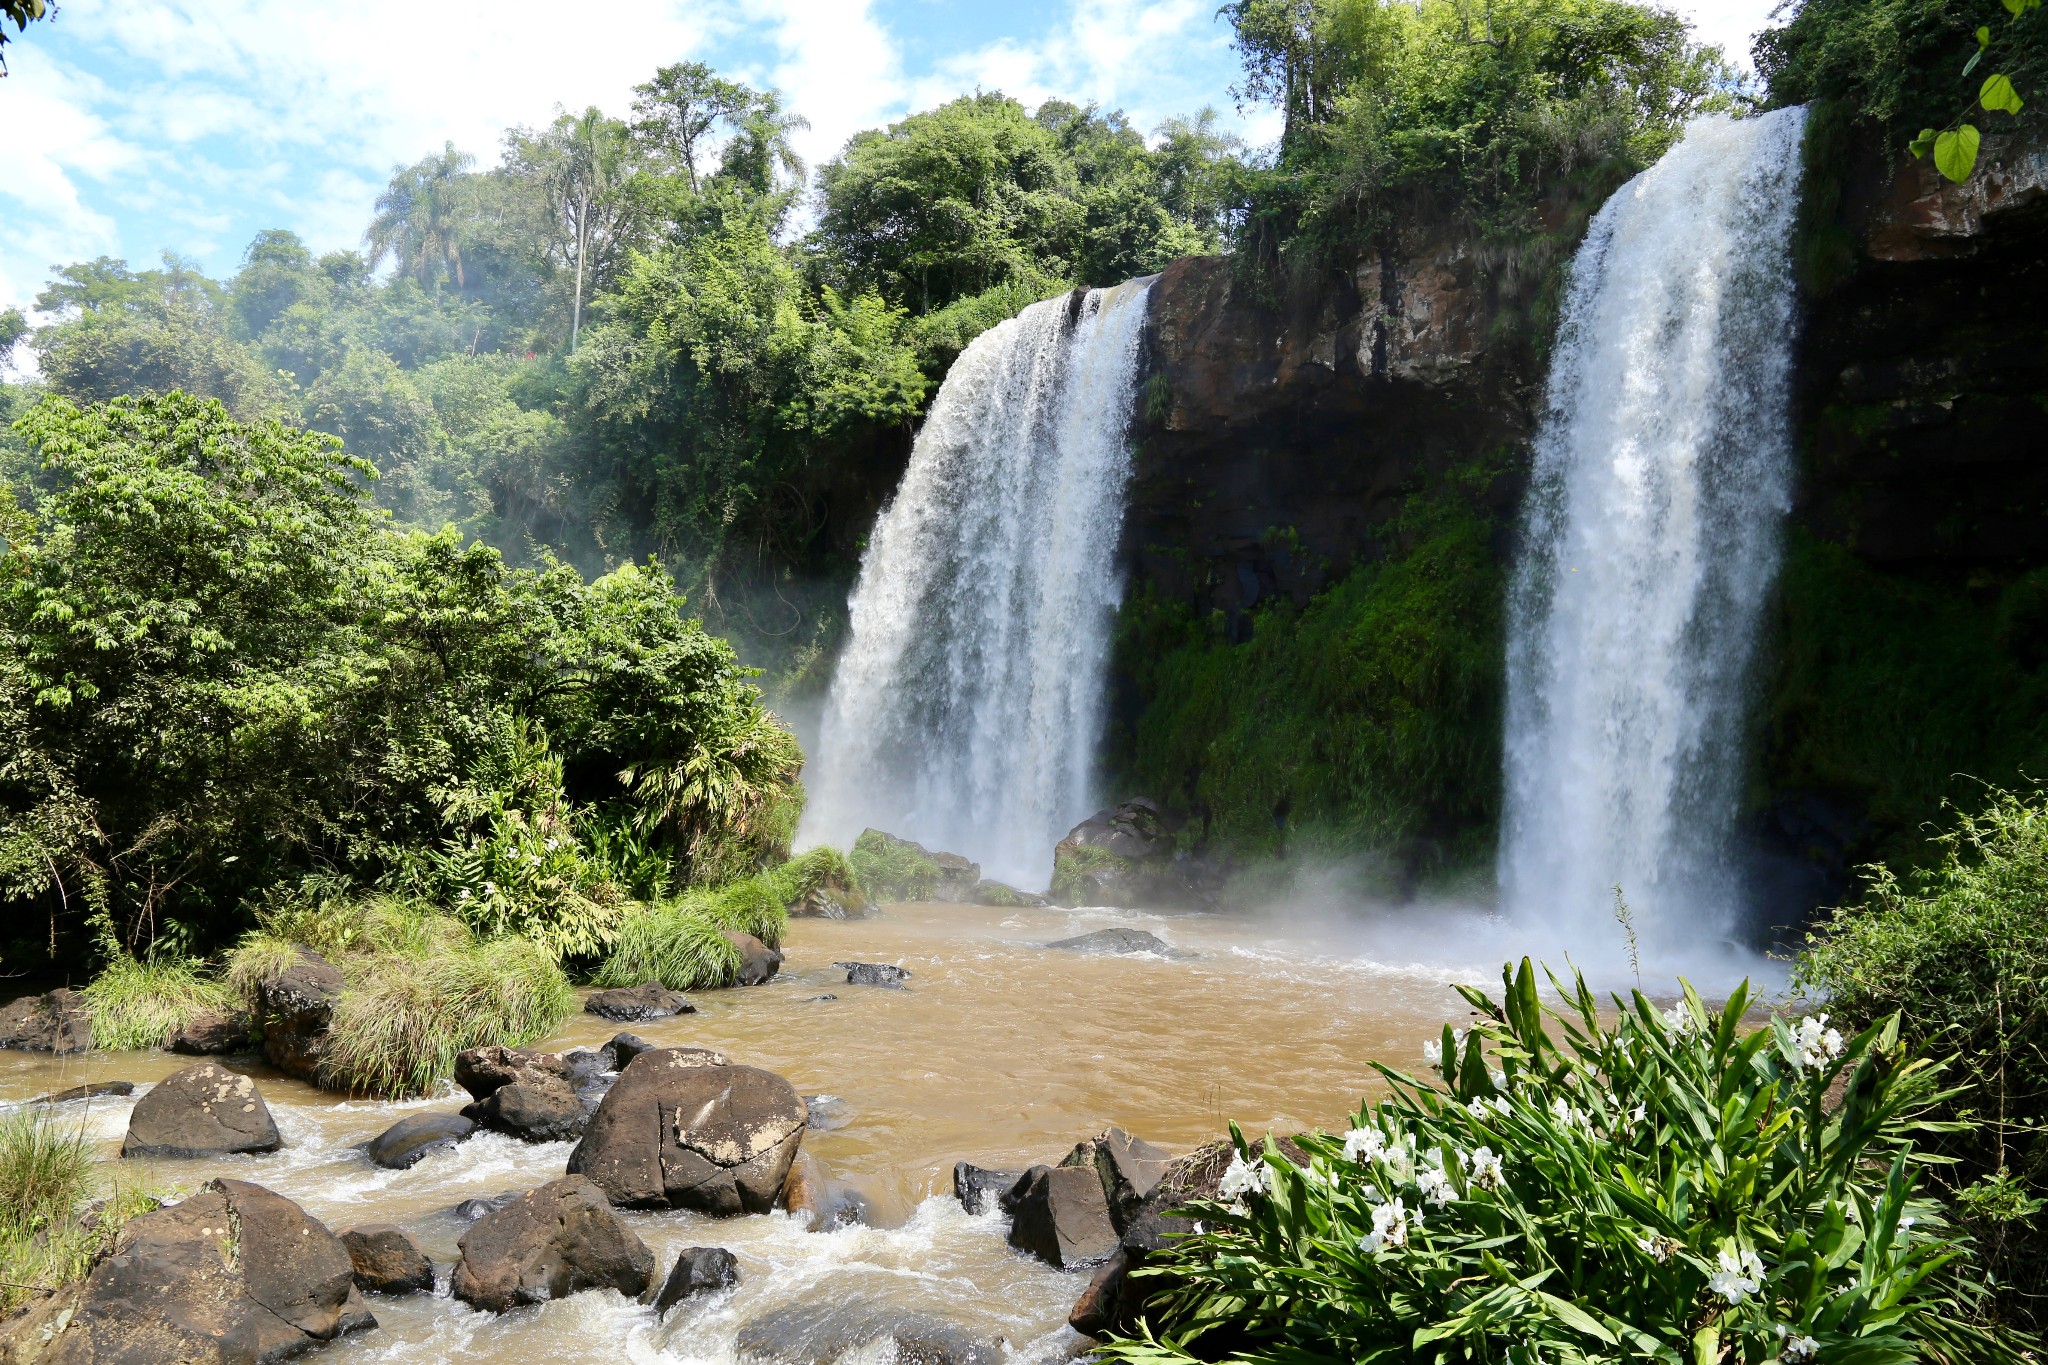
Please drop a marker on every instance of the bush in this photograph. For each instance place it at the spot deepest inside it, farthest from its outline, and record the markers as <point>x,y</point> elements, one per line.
<point>47,1175</point>
<point>1665,1188</point>
<point>886,868</point>
<point>809,871</point>
<point>140,1002</point>
<point>682,948</point>
<point>1959,953</point>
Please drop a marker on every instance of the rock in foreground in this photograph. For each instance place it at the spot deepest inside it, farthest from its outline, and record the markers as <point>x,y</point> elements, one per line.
<point>530,1095</point>
<point>637,1004</point>
<point>387,1260</point>
<point>698,1271</point>
<point>1059,1214</point>
<point>813,1333</point>
<point>873,974</point>
<point>236,1273</point>
<point>1119,942</point>
<point>758,962</point>
<point>411,1140</point>
<point>204,1110</point>
<point>683,1128</point>
<point>552,1242</point>
<point>56,1022</point>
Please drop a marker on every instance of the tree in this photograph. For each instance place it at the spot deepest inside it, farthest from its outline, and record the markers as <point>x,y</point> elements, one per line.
<point>760,150</point>
<point>21,13</point>
<point>676,112</point>
<point>419,217</point>
<point>580,164</point>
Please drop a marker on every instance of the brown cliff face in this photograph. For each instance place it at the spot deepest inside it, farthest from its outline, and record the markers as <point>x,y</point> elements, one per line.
<point>1274,446</point>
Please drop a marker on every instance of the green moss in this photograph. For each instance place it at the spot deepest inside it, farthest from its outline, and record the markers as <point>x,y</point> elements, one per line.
<point>892,869</point>
<point>1889,687</point>
<point>1071,866</point>
<point>1367,720</point>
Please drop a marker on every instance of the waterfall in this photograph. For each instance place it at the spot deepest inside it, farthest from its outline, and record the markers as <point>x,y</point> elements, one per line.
<point>967,709</point>
<point>1661,482</point>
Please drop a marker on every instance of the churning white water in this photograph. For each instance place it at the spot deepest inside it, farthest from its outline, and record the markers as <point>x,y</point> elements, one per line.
<point>1662,478</point>
<point>967,709</point>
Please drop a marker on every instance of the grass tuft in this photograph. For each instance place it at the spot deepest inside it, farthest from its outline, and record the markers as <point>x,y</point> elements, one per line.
<point>886,868</point>
<point>139,1003</point>
<point>675,944</point>
<point>48,1174</point>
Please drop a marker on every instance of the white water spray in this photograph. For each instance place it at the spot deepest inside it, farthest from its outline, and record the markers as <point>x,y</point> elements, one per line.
<point>967,709</point>
<point>1662,479</point>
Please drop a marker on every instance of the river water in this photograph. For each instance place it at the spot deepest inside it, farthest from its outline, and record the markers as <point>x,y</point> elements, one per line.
<point>998,1051</point>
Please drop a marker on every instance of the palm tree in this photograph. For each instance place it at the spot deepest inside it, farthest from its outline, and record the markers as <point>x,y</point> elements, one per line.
<point>760,145</point>
<point>418,219</point>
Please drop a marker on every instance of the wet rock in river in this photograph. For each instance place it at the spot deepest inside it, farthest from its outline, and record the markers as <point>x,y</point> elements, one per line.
<point>1106,941</point>
<point>1059,1214</point>
<point>56,1022</point>
<point>1129,1168</point>
<point>204,1110</point>
<point>294,1008</point>
<point>758,962</point>
<point>210,1033</point>
<point>387,1260</point>
<point>978,1189</point>
<point>96,1090</point>
<point>638,1004</point>
<point>809,1192</point>
<point>698,1271</point>
<point>236,1273</point>
<point>873,974</point>
<point>411,1140</point>
<point>819,1333</point>
<point>530,1095</point>
<point>683,1128</point>
<point>469,1210</point>
<point>1100,1306</point>
<point>623,1048</point>
<point>549,1243</point>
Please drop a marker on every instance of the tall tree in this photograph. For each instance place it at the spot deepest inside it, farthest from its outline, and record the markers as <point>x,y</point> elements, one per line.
<point>676,112</point>
<point>418,220</point>
<point>581,164</point>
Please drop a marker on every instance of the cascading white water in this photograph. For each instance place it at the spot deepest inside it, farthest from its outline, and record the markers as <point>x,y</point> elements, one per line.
<point>1662,478</point>
<point>967,708</point>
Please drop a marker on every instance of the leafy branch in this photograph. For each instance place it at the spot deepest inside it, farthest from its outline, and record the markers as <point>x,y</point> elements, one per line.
<point>1955,145</point>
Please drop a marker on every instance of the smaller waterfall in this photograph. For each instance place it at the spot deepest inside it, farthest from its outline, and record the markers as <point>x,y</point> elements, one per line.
<point>1662,478</point>
<point>967,710</point>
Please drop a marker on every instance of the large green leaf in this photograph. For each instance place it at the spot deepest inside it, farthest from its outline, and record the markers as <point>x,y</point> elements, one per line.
<point>1955,152</point>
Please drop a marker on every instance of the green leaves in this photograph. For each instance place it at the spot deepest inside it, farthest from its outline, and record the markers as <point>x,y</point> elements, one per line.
<point>1998,95</point>
<point>1955,152</point>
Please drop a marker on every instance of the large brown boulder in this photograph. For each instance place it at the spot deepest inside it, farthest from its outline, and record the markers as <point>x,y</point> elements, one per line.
<point>294,1009</point>
<point>1129,1168</point>
<point>1059,1214</point>
<point>204,1110</point>
<point>531,1095</point>
<point>209,1033</point>
<point>235,1275</point>
<point>683,1128</point>
<point>387,1260</point>
<point>56,1022</point>
<point>549,1243</point>
<point>758,962</point>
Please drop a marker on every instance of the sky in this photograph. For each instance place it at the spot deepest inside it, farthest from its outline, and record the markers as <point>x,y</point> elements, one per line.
<point>144,126</point>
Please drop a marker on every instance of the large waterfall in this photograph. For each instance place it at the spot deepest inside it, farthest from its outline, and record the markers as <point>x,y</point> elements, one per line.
<point>967,708</point>
<point>1662,479</point>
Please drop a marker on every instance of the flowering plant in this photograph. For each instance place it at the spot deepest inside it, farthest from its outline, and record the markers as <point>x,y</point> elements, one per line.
<point>1672,1186</point>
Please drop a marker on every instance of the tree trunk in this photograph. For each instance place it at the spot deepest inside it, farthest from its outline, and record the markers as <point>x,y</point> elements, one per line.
<point>582,244</point>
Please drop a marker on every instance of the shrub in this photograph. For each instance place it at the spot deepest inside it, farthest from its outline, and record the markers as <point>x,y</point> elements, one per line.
<point>141,1002</point>
<point>681,948</point>
<point>1665,1188</point>
<point>1071,868</point>
<point>47,1175</point>
<point>890,869</point>
<point>810,870</point>
<point>1959,953</point>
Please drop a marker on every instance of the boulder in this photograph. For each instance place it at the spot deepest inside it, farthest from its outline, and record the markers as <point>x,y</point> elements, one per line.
<point>898,869</point>
<point>1100,1306</point>
<point>683,1128</point>
<point>978,1190</point>
<point>1118,941</point>
<point>387,1260</point>
<point>758,962</point>
<point>809,1192</point>
<point>294,1008</point>
<point>637,1004</point>
<point>94,1091</point>
<point>411,1140</point>
<point>1059,1214</point>
<point>822,1332</point>
<point>549,1243</point>
<point>996,893</point>
<point>698,1271</point>
<point>1128,856</point>
<point>623,1048</point>
<point>832,901</point>
<point>204,1110</point>
<point>873,974</point>
<point>56,1022</point>
<point>1129,1168</point>
<point>236,1273</point>
<point>530,1095</point>
<point>210,1033</point>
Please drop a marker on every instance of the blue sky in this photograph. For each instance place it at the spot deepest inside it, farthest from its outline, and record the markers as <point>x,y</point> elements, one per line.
<point>138,126</point>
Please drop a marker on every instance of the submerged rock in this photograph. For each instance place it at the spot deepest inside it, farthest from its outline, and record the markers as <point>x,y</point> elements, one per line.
<point>1128,856</point>
<point>204,1110</point>
<point>211,1033</point>
<point>56,1022</point>
<point>549,1243</point>
<point>978,1189</point>
<point>820,1333</point>
<point>1118,941</point>
<point>387,1260</point>
<point>809,1192</point>
<point>638,1004</point>
<point>96,1090</point>
<point>411,1140</point>
<point>236,1273</point>
<point>758,962</point>
<point>873,974</point>
<point>294,1009</point>
<point>469,1210</point>
<point>683,1128</point>
<point>1059,1214</point>
<point>698,1271</point>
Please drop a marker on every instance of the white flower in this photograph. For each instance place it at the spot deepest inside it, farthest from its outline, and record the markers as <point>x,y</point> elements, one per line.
<point>1793,1350</point>
<point>1657,1246</point>
<point>1569,1115</point>
<point>1389,1228</point>
<point>1484,1105</point>
<point>463,894</point>
<point>553,844</point>
<point>1741,1274</point>
<point>1680,1021</point>
<point>1906,1224</point>
<point>1482,1167</point>
<point>1364,1144</point>
<point>1242,1179</point>
<point>1636,1114</point>
<point>490,888</point>
<point>1499,1078</point>
<point>1818,1044</point>
<point>1435,1185</point>
<point>1433,1052</point>
<point>1400,1164</point>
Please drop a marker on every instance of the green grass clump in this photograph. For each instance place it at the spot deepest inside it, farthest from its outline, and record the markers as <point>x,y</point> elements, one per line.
<point>420,987</point>
<point>673,943</point>
<point>48,1174</point>
<point>810,870</point>
<point>890,869</point>
<point>140,1002</point>
<point>1071,866</point>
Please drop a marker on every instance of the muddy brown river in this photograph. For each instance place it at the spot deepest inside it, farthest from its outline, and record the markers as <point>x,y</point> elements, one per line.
<point>998,1051</point>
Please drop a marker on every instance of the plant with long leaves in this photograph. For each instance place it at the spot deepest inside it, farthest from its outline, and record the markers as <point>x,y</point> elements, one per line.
<point>1673,1186</point>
